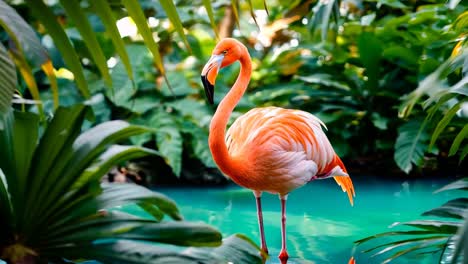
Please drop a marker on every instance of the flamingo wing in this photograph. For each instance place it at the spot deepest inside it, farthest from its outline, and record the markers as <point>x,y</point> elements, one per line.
<point>290,143</point>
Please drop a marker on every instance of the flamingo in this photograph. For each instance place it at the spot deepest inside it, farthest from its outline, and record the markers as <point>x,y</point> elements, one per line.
<point>268,149</point>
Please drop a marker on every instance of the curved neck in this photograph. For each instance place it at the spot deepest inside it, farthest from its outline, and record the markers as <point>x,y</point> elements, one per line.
<point>220,119</point>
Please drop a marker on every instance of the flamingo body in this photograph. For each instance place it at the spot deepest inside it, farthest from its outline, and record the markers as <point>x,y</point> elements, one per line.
<point>283,149</point>
<point>268,149</point>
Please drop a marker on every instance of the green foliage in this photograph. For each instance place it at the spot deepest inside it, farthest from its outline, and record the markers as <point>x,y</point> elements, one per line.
<point>8,75</point>
<point>446,237</point>
<point>54,207</point>
<point>411,145</point>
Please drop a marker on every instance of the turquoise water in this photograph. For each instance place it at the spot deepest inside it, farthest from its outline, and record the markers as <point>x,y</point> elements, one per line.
<point>321,224</point>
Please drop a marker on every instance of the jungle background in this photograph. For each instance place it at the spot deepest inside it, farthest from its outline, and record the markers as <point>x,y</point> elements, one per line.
<point>387,77</point>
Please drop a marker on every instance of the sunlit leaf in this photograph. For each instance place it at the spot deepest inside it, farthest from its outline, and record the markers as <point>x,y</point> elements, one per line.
<point>136,12</point>
<point>235,10</point>
<point>444,122</point>
<point>76,13</point>
<point>458,140</point>
<point>209,11</point>
<point>102,9</point>
<point>48,69</point>
<point>173,15</point>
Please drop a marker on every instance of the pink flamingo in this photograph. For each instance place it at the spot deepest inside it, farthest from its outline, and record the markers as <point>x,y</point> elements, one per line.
<point>268,149</point>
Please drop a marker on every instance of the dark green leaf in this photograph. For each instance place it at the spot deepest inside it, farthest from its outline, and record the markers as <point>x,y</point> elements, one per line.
<point>370,53</point>
<point>456,208</point>
<point>113,155</point>
<point>442,227</point>
<point>25,41</point>
<point>395,233</point>
<point>8,83</point>
<point>461,184</point>
<point>169,139</point>
<point>410,145</point>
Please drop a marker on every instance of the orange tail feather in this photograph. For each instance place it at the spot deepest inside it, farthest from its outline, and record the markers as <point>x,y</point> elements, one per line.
<point>347,186</point>
<point>345,182</point>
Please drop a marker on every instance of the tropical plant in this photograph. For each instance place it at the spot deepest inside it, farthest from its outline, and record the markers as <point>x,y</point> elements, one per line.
<point>55,208</point>
<point>355,80</point>
<point>444,237</point>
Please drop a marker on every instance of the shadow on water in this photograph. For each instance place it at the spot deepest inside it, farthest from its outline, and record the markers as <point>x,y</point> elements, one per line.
<point>321,224</point>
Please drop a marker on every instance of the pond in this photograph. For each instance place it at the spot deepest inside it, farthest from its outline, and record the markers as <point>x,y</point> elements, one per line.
<point>321,224</point>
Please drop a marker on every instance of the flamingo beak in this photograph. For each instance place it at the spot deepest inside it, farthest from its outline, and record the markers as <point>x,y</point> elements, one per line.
<point>209,73</point>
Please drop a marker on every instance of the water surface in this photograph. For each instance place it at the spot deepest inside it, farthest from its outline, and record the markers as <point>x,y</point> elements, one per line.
<point>321,224</point>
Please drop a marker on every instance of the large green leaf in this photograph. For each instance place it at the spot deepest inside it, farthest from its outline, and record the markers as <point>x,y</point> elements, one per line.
<point>86,148</point>
<point>120,225</point>
<point>113,155</point>
<point>49,155</point>
<point>461,245</point>
<point>18,141</point>
<point>234,249</point>
<point>169,139</point>
<point>432,84</point>
<point>44,14</point>
<point>24,44</point>
<point>410,145</point>
<point>76,13</point>
<point>8,77</point>
<point>25,40</point>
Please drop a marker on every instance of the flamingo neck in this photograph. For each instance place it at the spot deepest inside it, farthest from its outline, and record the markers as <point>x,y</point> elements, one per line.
<point>220,119</point>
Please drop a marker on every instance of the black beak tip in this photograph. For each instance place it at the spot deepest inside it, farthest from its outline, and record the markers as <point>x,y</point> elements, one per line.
<point>209,89</point>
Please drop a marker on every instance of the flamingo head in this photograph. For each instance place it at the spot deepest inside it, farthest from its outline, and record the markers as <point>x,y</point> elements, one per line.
<point>226,52</point>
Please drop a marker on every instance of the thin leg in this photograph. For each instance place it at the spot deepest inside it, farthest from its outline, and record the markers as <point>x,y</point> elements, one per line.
<point>258,195</point>
<point>283,256</point>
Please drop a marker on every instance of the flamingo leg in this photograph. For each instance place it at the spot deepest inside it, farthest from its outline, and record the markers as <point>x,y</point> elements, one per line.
<point>258,196</point>
<point>283,256</point>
